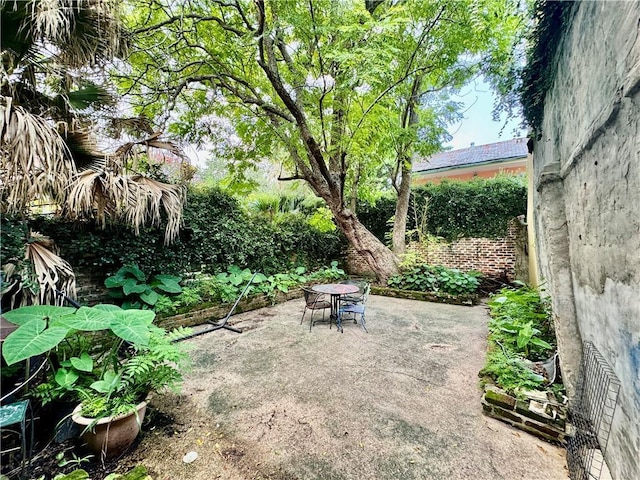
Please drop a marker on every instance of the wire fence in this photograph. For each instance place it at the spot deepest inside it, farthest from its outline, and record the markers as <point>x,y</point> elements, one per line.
<point>591,415</point>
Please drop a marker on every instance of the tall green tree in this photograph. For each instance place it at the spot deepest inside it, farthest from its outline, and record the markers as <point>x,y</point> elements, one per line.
<point>317,78</point>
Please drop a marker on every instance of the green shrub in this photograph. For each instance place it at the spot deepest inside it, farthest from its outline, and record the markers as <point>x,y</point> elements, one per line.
<point>477,208</point>
<point>216,233</point>
<point>422,277</point>
<point>521,322</point>
<point>226,287</point>
<point>520,332</point>
<point>455,209</point>
<point>129,285</point>
<point>510,373</point>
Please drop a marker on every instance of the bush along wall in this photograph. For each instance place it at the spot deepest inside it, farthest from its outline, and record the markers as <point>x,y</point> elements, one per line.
<point>479,208</point>
<point>216,233</point>
<point>454,209</point>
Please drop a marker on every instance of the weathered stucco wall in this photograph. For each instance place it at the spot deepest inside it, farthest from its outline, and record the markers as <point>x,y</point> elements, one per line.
<point>587,205</point>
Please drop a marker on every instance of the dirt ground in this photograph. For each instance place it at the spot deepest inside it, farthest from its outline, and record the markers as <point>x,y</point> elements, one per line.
<point>401,402</point>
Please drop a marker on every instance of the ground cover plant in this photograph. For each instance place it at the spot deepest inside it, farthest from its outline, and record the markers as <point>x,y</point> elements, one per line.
<point>422,277</point>
<point>520,334</point>
<point>134,289</point>
<point>226,286</point>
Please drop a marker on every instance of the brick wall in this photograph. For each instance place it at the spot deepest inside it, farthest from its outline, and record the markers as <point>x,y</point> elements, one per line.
<point>89,288</point>
<point>495,258</point>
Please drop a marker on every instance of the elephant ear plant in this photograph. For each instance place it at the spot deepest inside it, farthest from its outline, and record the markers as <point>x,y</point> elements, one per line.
<point>104,357</point>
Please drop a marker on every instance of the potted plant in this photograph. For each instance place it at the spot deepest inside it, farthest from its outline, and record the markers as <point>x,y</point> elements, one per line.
<point>103,357</point>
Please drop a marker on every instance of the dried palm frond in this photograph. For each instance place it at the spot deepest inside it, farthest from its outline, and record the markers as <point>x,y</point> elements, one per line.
<point>135,200</point>
<point>35,162</point>
<point>131,125</point>
<point>51,273</point>
<point>85,31</point>
<point>126,150</point>
<point>171,197</point>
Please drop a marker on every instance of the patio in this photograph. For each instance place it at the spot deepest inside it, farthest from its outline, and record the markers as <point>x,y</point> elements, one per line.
<point>402,402</point>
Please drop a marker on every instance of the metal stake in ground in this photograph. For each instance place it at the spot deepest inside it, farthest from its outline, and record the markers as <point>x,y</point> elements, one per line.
<point>217,326</point>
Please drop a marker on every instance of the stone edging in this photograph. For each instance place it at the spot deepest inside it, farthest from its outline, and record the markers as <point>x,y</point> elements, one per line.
<point>425,296</point>
<point>216,312</point>
<point>529,415</point>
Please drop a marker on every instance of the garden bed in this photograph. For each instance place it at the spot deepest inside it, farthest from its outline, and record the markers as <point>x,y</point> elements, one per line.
<point>425,296</point>
<point>202,313</point>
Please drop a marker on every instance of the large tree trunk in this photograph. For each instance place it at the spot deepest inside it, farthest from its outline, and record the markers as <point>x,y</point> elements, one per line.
<point>408,119</point>
<point>379,257</point>
<point>402,209</point>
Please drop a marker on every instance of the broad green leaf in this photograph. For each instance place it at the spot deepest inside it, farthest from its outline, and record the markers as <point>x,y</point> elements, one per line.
<point>164,278</point>
<point>170,286</point>
<point>541,343</point>
<point>108,383</point>
<point>86,318</point>
<point>133,327</point>
<point>66,378</point>
<point>31,339</point>
<point>259,278</point>
<point>107,307</point>
<point>84,363</point>
<point>136,305</point>
<point>22,315</point>
<point>135,271</point>
<point>234,269</point>
<point>149,296</point>
<point>132,286</point>
<point>114,282</point>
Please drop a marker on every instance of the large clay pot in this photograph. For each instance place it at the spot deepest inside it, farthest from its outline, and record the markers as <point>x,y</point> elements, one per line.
<point>110,437</point>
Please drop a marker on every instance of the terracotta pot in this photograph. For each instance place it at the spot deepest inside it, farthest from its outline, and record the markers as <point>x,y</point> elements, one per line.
<point>110,436</point>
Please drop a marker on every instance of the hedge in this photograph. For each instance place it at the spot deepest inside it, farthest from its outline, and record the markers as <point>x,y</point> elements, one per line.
<point>477,208</point>
<point>216,233</point>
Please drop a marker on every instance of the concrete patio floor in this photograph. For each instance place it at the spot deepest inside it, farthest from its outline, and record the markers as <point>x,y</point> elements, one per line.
<point>401,402</point>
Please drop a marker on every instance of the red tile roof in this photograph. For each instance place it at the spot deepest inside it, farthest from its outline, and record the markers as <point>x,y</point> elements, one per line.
<point>491,152</point>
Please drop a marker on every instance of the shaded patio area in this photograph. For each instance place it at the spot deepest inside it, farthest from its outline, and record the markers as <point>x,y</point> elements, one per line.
<point>401,402</point>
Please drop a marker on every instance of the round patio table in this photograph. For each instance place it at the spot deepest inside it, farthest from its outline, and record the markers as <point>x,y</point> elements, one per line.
<point>336,290</point>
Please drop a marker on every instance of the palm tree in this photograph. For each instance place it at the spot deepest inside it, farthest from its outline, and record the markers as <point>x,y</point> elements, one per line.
<point>53,58</point>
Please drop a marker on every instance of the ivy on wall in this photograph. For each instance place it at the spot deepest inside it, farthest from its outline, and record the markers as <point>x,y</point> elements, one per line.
<point>216,233</point>
<point>455,209</point>
<point>479,208</point>
<point>550,21</point>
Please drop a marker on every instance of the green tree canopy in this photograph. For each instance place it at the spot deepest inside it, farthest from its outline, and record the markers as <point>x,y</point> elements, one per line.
<point>320,80</point>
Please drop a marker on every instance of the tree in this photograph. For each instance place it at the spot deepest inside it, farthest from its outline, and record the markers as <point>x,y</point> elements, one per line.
<point>50,91</point>
<point>316,78</point>
<point>52,56</point>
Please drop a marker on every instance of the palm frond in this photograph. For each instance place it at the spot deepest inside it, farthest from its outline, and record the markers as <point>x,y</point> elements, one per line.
<point>51,273</point>
<point>135,200</point>
<point>129,125</point>
<point>128,149</point>
<point>35,162</point>
<point>86,31</point>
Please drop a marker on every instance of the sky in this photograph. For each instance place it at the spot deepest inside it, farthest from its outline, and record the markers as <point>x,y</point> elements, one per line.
<point>477,125</point>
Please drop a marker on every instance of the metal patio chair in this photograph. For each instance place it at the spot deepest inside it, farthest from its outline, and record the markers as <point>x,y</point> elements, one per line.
<point>355,309</point>
<point>20,412</point>
<point>314,301</point>
<point>355,297</point>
